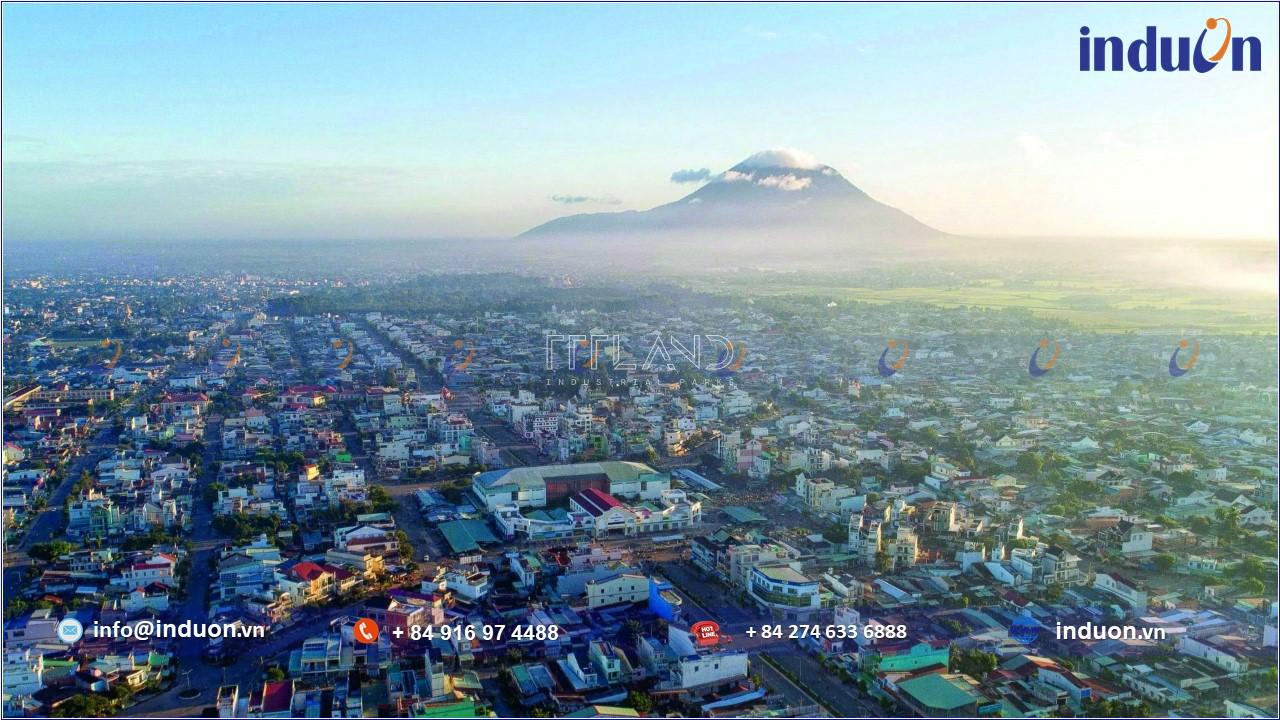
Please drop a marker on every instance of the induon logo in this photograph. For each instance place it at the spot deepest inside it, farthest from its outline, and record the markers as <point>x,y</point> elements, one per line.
<point>1178,369</point>
<point>464,360</point>
<point>889,368</point>
<point>1024,629</point>
<point>733,356</point>
<point>1037,369</point>
<point>1171,54</point>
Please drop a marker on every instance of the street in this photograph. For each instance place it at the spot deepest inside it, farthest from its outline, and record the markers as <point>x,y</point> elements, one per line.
<point>49,521</point>
<point>821,686</point>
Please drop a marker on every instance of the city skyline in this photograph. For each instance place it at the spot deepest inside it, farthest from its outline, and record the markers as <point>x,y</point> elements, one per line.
<point>273,122</point>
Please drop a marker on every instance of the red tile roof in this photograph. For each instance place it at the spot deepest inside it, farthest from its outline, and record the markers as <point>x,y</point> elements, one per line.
<point>277,696</point>
<point>308,571</point>
<point>597,502</point>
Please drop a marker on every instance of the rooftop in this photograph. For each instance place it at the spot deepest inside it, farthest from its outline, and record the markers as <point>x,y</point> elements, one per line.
<point>938,692</point>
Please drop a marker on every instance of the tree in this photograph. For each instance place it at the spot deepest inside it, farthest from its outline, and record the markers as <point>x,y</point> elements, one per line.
<point>381,499</point>
<point>275,673</point>
<point>86,482</point>
<point>641,701</point>
<point>85,705</point>
<point>50,550</point>
<point>406,548</point>
<point>1116,709</point>
<point>243,528</point>
<point>1250,567</point>
<point>157,535</point>
<point>1164,562</point>
<point>1030,463</point>
<point>1252,586</point>
<point>1199,525</point>
<point>1228,522</point>
<point>973,662</point>
<point>884,563</point>
<point>211,492</point>
<point>1184,482</point>
<point>836,534</point>
<point>632,629</point>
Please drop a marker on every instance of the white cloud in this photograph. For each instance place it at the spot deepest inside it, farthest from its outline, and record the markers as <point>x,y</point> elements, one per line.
<point>734,176</point>
<point>580,199</point>
<point>781,157</point>
<point>788,182</point>
<point>691,175</point>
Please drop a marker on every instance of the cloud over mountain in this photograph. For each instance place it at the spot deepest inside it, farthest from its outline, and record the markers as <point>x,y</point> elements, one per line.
<point>781,158</point>
<point>580,199</point>
<point>774,201</point>
<point>691,176</point>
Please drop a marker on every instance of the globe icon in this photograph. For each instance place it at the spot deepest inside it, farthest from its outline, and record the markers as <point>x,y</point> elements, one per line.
<point>1024,629</point>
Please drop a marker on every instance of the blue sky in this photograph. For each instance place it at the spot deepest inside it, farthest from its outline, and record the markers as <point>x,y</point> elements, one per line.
<point>294,121</point>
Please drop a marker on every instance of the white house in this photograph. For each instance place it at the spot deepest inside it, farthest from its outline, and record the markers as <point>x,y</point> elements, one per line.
<point>1122,588</point>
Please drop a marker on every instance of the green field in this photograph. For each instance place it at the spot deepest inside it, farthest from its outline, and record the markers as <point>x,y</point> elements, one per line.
<point>1101,307</point>
<point>75,342</point>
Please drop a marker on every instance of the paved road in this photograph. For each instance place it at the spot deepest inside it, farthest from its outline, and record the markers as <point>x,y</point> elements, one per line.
<point>206,544</point>
<point>246,671</point>
<point>194,672</point>
<point>515,449</point>
<point>428,380</point>
<point>48,523</point>
<point>409,518</point>
<point>842,698</point>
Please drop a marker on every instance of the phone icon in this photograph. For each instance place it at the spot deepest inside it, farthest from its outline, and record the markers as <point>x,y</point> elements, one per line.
<point>365,631</point>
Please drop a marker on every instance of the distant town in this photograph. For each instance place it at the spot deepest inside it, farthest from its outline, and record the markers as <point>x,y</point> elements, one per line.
<point>410,500</point>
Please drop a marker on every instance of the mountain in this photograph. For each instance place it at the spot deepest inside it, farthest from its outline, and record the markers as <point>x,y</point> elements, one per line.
<point>776,202</point>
